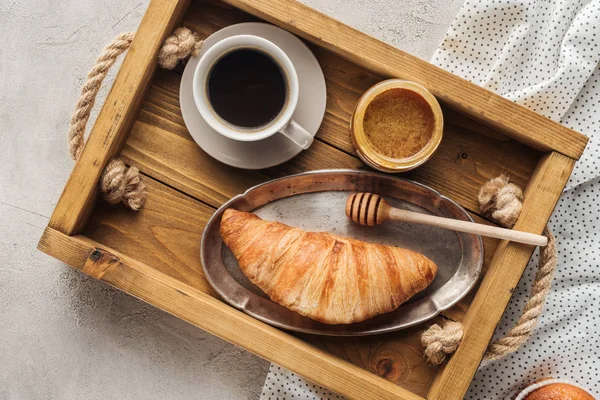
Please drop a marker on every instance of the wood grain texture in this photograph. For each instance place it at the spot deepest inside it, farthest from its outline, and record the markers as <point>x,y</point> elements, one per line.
<point>180,163</point>
<point>161,146</point>
<point>470,149</point>
<point>116,117</point>
<point>516,121</point>
<point>166,233</point>
<point>210,314</point>
<point>505,270</point>
<point>396,357</point>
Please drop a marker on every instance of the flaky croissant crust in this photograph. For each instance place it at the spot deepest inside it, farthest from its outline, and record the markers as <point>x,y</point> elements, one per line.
<point>323,276</point>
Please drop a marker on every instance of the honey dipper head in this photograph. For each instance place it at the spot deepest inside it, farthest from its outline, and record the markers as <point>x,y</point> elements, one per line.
<point>365,208</point>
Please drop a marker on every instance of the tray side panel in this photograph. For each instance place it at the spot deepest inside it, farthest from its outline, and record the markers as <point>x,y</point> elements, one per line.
<point>507,266</point>
<point>212,315</point>
<point>117,115</point>
<point>516,121</point>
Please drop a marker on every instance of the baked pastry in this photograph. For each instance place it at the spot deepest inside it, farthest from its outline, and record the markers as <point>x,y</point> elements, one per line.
<point>323,276</point>
<point>558,391</point>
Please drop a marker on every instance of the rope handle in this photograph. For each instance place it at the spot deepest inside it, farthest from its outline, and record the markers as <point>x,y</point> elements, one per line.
<point>502,202</point>
<point>118,182</point>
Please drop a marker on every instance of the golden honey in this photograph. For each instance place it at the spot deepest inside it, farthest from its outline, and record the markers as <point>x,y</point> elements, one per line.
<point>397,125</point>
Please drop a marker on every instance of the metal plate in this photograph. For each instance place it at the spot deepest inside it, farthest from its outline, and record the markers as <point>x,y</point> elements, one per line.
<point>316,201</point>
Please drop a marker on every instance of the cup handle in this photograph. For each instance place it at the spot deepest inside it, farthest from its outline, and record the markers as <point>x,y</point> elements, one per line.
<point>297,134</point>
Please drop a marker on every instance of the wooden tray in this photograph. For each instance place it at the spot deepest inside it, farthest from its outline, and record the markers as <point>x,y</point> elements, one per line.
<point>153,254</point>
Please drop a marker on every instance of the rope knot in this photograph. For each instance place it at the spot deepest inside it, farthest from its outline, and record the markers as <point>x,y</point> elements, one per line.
<point>179,45</point>
<point>439,341</point>
<point>120,183</point>
<point>501,201</point>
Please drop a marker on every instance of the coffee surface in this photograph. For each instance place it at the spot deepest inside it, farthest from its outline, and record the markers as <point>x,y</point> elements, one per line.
<point>398,123</point>
<point>247,88</point>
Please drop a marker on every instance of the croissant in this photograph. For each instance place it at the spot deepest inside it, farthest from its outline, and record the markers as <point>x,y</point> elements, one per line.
<point>323,276</point>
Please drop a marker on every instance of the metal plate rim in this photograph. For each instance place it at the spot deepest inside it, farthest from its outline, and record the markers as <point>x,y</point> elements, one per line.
<point>437,309</point>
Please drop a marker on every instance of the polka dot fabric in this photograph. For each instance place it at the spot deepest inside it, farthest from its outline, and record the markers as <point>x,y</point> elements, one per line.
<point>544,55</point>
<point>283,384</point>
<point>583,116</point>
<point>565,343</point>
<point>541,54</point>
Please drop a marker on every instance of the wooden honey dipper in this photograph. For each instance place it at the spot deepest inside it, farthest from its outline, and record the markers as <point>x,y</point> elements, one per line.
<point>371,209</point>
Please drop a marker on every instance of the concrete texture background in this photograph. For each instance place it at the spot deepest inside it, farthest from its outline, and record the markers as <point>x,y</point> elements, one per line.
<point>63,335</point>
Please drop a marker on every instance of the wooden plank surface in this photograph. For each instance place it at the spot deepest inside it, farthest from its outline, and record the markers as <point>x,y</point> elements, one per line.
<point>516,121</point>
<point>117,115</point>
<point>471,150</point>
<point>397,356</point>
<point>161,146</point>
<point>212,315</point>
<point>165,235</point>
<point>506,268</point>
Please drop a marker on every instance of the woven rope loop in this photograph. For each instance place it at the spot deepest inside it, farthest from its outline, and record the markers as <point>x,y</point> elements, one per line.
<point>178,46</point>
<point>120,184</point>
<point>90,89</point>
<point>440,341</point>
<point>502,202</point>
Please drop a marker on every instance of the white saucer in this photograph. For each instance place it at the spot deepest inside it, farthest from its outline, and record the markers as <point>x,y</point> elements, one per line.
<point>276,149</point>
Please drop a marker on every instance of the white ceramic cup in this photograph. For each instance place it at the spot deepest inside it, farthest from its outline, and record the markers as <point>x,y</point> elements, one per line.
<point>282,123</point>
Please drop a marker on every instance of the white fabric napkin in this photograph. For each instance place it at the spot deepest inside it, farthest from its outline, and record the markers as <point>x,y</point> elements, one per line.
<point>544,55</point>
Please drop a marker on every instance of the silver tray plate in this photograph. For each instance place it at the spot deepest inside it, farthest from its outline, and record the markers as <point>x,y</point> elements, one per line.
<point>316,201</point>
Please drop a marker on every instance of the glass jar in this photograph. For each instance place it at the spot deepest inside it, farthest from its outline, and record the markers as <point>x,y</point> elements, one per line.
<point>382,162</point>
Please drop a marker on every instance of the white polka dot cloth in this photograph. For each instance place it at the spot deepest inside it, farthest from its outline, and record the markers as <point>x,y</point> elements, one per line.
<point>544,55</point>
<point>284,384</point>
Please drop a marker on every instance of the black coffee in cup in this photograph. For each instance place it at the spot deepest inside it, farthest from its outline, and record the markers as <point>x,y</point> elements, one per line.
<point>247,88</point>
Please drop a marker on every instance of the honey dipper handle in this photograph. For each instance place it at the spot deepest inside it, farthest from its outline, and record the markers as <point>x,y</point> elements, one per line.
<point>468,227</point>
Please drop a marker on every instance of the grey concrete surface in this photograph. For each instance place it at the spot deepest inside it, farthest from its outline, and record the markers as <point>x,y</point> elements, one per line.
<point>63,335</point>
